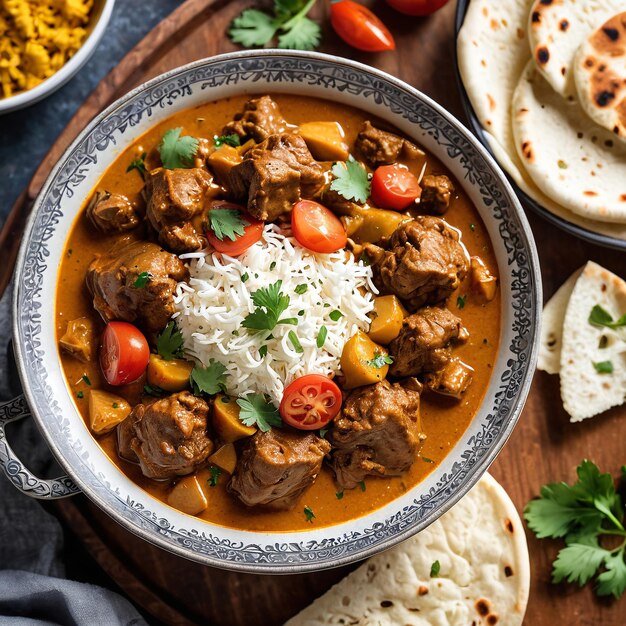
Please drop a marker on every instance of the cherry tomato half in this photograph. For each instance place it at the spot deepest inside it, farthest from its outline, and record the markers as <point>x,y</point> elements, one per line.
<point>317,228</point>
<point>359,27</point>
<point>417,7</point>
<point>310,402</point>
<point>124,353</point>
<point>252,232</point>
<point>394,187</point>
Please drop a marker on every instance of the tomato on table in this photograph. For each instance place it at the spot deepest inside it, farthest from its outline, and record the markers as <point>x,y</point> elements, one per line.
<point>317,228</point>
<point>124,353</point>
<point>230,243</point>
<point>359,27</point>
<point>310,402</point>
<point>394,187</point>
<point>417,7</point>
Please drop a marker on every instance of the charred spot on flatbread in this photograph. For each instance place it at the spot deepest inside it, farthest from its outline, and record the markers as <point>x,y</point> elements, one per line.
<point>542,55</point>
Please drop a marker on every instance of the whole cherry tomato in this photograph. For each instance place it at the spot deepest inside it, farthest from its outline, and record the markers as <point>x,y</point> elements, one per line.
<point>124,353</point>
<point>394,187</point>
<point>310,402</point>
<point>253,231</point>
<point>317,228</point>
<point>359,27</point>
<point>417,7</point>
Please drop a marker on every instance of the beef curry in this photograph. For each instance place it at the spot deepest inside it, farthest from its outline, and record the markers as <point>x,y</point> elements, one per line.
<point>215,182</point>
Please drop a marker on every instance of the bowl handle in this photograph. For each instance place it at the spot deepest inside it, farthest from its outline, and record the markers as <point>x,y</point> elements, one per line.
<point>16,471</point>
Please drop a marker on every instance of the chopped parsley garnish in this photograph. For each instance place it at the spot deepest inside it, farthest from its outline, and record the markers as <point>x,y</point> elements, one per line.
<point>300,289</point>
<point>244,277</point>
<point>289,22</point>
<point>115,405</point>
<point>308,513</point>
<point>380,360</point>
<point>339,495</point>
<point>435,568</point>
<point>227,223</point>
<point>177,151</point>
<point>210,379</point>
<point>460,302</point>
<point>604,367</point>
<point>323,432</point>
<point>580,514</point>
<point>142,280</point>
<point>153,390</point>
<point>335,315</point>
<point>365,259</point>
<point>270,304</point>
<point>321,337</point>
<point>215,475</point>
<point>472,227</point>
<point>169,342</point>
<point>80,395</point>
<point>255,410</point>
<point>601,317</point>
<point>351,180</point>
<point>272,266</point>
<point>86,380</point>
<point>362,485</point>
<point>139,164</point>
<point>263,351</point>
<point>562,164</point>
<point>230,140</point>
<point>295,342</point>
<point>427,460</point>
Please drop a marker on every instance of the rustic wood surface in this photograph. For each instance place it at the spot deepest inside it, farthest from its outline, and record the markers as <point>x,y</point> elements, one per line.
<point>544,446</point>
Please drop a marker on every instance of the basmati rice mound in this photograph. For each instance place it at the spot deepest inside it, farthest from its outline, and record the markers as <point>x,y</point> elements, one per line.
<point>211,307</point>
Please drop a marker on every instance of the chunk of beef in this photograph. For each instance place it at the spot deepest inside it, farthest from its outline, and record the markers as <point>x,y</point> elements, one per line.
<point>112,212</point>
<point>452,379</point>
<point>423,344</point>
<point>437,192</point>
<point>259,119</point>
<point>378,147</point>
<point>274,175</point>
<point>111,280</point>
<point>168,436</point>
<point>426,261</point>
<point>173,198</point>
<point>276,467</point>
<point>79,339</point>
<point>377,432</point>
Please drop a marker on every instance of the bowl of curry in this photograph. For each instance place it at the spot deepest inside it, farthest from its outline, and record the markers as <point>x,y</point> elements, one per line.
<point>275,312</point>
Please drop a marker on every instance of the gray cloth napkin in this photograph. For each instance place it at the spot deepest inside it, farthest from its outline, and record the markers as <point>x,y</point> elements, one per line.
<point>33,591</point>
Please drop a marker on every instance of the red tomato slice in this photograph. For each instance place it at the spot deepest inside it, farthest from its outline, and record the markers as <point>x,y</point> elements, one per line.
<point>310,402</point>
<point>124,353</point>
<point>359,27</point>
<point>417,7</point>
<point>252,232</point>
<point>394,187</point>
<point>317,228</point>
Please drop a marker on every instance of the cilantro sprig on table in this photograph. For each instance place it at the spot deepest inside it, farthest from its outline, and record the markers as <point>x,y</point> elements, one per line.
<point>227,223</point>
<point>177,151</point>
<point>270,304</point>
<point>351,180</point>
<point>288,22</point>
<point>255,410</point>
<point>582,514</point>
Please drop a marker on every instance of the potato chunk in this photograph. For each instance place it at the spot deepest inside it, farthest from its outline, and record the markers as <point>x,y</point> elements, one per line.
<point>172,375</point>
<point>223,160</point>
<point>387,319</point>
<point>483,282</point>
<point>226,420</point>
<point>325,140</point>
<point>187,496</point>
<point>106,411</point>
<point>363,362</point>
<point>225,458</point>
<point>79,339</point>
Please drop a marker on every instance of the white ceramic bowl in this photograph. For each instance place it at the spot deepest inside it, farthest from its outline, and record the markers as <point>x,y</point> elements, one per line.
<point>52,406</point>
<point>101,14</point>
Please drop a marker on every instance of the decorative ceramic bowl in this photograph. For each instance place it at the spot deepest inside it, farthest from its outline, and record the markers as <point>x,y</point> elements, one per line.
<point>46,393</point>
<point>100,16</point>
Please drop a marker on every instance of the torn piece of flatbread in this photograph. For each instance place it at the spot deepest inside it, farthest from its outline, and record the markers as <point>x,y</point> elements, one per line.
<point>483,579</point>
<point>552,326</point>
<point>585,391</point>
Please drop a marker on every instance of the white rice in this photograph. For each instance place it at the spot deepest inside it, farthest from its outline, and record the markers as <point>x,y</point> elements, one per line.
<point>213,304</point>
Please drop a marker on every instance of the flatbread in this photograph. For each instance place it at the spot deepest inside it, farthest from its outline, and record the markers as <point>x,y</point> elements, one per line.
<point>600,75</point>
<point>552,320</point>
<point>584,391</point>
<point>574,162</point>
<point>556,29</point>
<point>481,547</point>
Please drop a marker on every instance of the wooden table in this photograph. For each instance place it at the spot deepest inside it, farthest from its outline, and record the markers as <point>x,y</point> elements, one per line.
<point>544,447</point>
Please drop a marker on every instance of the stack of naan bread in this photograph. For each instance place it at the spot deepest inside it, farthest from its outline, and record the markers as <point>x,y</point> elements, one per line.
<point>590,358</point>
<point>547,81</point>
<point>469,567</point>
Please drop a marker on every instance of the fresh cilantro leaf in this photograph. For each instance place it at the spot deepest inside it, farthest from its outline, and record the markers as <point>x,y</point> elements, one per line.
<point>153,390</point>
<point>170,342</point>
<point>435,568</point>
<point>578,563</point>
<point>304,34</point>
<point>321,336</point>
<point>604,367</point>
<point>380,360</point>
<point>351,180</point>
<point>142,280</point>
<point>335,315</point>
<point>295,342</point>
<point>229,140</point>
<point>323,432</point>
<point>460,302</point>
<point>139,164</point>
<point>115,405</point>
<point>177,151</point>
<point>362,485</point>
<point>215,475</point>
<point>80,395</point>
<point>253,28</point>
<point>308,513</point>
<point>263,351</point>
<point>86,380</point>
<point>227,223</point>
<point>300,289</point>
<point>210,379</point>
<point>244,277</point>
<point>613,580</point>
<point>270,304</point>
<point>255,410</point>
<point>601,317</point>
<point>339,495</point>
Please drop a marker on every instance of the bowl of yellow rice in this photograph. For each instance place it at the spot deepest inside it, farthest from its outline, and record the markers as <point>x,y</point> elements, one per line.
<point>43,44</point>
